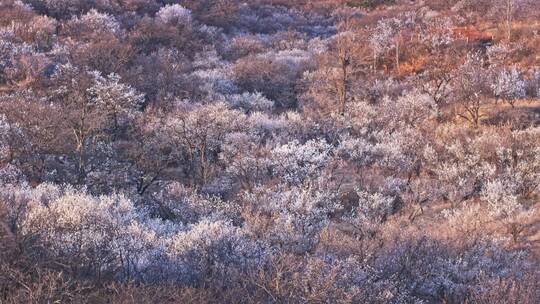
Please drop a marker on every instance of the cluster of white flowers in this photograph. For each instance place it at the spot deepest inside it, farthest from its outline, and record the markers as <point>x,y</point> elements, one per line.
<point>117,98</point>
<point>64,75</point>
<point>174,14</point>
<point>42,25</point>
<point>501,197</point>
<point>520,161</point>
<point>96,23</point>
<point>10,174</point>
<point>471,77</point>
<point>298,214</point>
<point>452,274</point>
<point>183,205</point>
<point>399,149</point>
<point>204,126</point>
<point>243,158</point>
<point>535,83</point>
<point>381,40</point>
<point>509,85</point>
<point>5,130</point>
<point>295,162</point>
<point>372,208</point>
<point>357,149</point>
<point>262,124</point>
<point>208,60</point>
<point>10,52</point>
<point>250,102</point>
<point>75,223</point>
<point>216,83</point>
<point>410,109</point>
<point>498,53</point>
<point>110,234</point>
<point>209,246</point>
<point>499,167</point>
<point>439,33</point>
<point>461,175</point>
<point>293,59</point>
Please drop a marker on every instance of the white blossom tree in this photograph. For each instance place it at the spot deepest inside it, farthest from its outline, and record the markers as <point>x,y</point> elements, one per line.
<point>95,25</point>
<point>470,87</point>
<point>509,85</point>
<point>174,14</point>
<point>295,162</point>
<point>200,130</point>
<point>119,100</point>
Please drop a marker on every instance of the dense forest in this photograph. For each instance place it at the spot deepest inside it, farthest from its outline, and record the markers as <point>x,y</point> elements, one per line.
<point>269,151</point>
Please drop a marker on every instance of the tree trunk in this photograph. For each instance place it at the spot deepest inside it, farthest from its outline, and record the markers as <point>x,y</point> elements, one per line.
<point>509,12</point>
<point>374,61</point>
<point>343,84</point>
<point>82,165</point>
<point>397,56</point>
